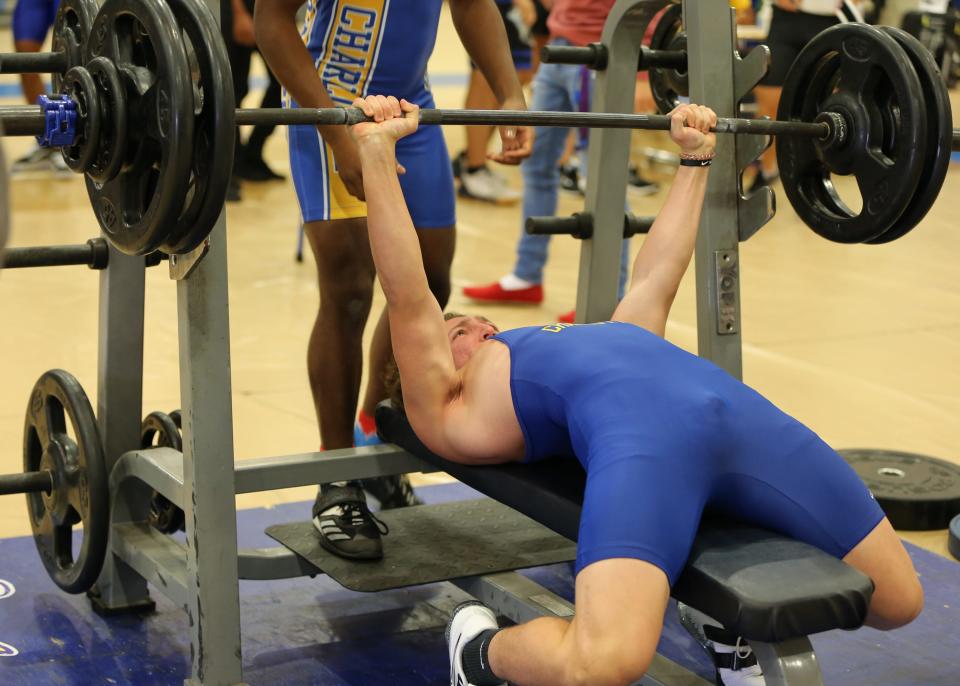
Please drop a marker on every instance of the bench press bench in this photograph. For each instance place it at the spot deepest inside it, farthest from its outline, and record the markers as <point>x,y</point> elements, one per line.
<point>771,590</point>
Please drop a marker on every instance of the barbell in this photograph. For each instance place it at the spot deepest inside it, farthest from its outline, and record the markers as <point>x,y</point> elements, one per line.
<point>148,118</point>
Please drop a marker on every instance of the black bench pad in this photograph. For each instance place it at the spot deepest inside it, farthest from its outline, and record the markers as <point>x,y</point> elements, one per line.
<point>762,585</point>
<point>432,543</point>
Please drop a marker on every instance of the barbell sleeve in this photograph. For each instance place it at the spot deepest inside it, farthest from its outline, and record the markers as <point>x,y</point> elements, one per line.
<point>94,254</point>
<point>28,482</point>
<point>33,62</point>
<point>592,55</point>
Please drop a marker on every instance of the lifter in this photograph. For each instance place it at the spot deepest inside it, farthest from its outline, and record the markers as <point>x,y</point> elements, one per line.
<point>661,433</point>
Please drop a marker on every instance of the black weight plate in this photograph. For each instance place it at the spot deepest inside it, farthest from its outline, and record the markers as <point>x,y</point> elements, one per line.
<point>916,492</point>
<point>80,492</point>
<point>939,127</point>
<point>669,85</point>
<point>138,207</point>
<point>78,83</point>
<point>112,147</point>
<point>71,29</point>
<point>863,73</point>
<point>160,430</point>
<point>953,542</point>
<point>213,131</point>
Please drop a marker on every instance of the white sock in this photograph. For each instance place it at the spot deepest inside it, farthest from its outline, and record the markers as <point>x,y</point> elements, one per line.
<point>511,282</point>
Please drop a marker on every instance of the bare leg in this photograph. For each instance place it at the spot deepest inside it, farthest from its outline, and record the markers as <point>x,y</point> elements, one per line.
<point>437,247</point>
<point>898,598</point>
<point>612,641</point>
<point>345,273</point>
<point>768,99</point>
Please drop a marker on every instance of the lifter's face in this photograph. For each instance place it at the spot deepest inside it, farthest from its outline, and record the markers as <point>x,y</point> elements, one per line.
<point>466,335</point>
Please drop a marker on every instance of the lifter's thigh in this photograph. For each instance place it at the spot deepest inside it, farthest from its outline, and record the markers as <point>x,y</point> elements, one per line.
<point>619,615</point>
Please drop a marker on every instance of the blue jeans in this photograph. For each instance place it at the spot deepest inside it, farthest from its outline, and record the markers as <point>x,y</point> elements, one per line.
<point>557,88</point>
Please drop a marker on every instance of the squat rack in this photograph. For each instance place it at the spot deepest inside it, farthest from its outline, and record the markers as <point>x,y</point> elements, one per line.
<point>203,575</point>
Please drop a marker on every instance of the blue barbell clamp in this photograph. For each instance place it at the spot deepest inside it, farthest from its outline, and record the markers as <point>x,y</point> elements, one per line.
<point>60,115</point>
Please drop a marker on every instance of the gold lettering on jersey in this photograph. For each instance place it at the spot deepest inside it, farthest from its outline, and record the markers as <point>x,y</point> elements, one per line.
<point>351,48</point>
<point>556,328</point>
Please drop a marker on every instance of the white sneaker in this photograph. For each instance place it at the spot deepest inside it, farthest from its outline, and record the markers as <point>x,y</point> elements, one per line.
<point>735,663</point>
<point>469,620</point>
<point>484,185</point>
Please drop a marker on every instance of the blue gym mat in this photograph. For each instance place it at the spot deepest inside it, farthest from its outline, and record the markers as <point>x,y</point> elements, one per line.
<point>311,631</point>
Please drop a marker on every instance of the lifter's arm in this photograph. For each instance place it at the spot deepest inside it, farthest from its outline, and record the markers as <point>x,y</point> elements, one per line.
<point>283,49</point>
<point>480,27</point>
<point>668,247</point>
<point>419,338</point>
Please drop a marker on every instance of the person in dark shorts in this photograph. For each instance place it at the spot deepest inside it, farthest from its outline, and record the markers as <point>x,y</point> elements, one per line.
<point>793,24</point>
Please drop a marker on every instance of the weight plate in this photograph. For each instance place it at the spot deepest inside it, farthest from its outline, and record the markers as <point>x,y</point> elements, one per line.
<point>862,73</point>
<point>213,131</point>
<point>669,85</point>
<point>939,133</point>
<point>78,83</point>
<point>138,207</point>
<point>953,542</point>
<point>73,453</point>
<point>71,29</point>
<point>916,492</point>
<point>112,147</point>
<point>162,430</point>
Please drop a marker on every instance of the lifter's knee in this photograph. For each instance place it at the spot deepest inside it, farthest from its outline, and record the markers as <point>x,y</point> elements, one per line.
<point>898,607</point>
<point>607,663</point>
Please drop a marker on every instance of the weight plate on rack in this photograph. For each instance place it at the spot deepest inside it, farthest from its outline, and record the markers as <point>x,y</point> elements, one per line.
<point>61,436</point>
<point>71,29</point>
<point>669,85</point>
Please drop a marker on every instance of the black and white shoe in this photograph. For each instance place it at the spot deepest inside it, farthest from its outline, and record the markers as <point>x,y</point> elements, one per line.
<point>469,620</point>
<point>733,658</point>
<point>392,491</point>
<point>346,526</point>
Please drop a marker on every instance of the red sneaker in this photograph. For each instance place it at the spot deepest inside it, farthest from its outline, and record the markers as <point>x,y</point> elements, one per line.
<point>494,292</point>
<point>567,317</point>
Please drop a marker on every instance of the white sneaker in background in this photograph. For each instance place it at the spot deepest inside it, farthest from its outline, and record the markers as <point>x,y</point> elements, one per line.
<point>483,184</point>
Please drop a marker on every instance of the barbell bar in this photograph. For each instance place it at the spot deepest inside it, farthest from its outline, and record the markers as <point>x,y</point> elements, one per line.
<point>33,62</point>
<point>29,120</point>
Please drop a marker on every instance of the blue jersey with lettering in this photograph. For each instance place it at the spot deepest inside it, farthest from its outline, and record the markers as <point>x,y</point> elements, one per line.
<point>369,47</point>
<point>664,434</point>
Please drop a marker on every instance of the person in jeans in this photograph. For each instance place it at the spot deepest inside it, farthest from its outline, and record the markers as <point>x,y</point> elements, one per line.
<point>556,88</point>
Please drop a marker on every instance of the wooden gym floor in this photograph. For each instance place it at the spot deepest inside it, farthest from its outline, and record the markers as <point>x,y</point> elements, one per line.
<point>860,342</point>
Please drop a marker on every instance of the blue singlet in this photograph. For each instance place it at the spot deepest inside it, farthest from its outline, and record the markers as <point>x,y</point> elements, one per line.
<point>664,434</point>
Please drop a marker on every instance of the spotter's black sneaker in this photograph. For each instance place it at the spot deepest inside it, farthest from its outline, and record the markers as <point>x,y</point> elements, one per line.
<point>345,524</point>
